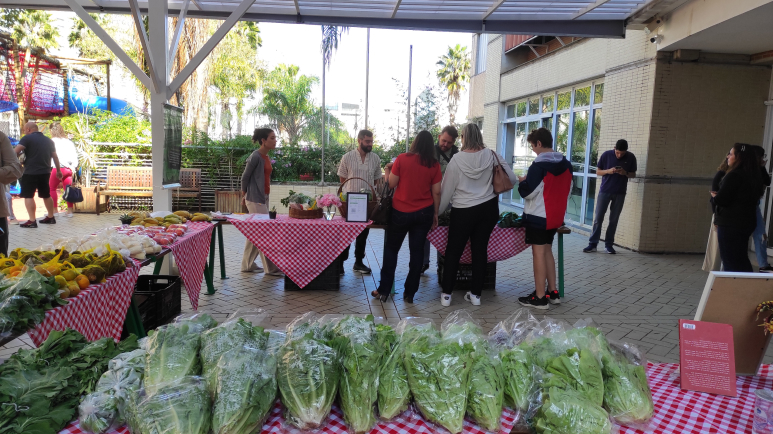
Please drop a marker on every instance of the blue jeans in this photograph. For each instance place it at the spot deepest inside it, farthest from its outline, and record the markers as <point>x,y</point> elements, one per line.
<point>603,200</point>
<point>760,249</point>
<point>416,225</point>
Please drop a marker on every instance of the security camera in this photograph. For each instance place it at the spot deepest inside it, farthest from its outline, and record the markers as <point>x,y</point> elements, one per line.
<point>656,39</point>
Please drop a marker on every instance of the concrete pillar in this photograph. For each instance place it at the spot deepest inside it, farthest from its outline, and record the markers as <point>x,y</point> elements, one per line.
<point>158,37</point>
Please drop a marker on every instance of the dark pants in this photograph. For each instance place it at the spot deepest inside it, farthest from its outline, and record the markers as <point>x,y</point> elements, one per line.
<point>416,225</point>
<point>359,247</point>
<point>603,200</point>
<point>474,224</point>
<point>4,236</point>
<point>734,247</point>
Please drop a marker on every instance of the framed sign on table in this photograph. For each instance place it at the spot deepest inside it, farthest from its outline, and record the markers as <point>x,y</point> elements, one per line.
<point>357,207</point>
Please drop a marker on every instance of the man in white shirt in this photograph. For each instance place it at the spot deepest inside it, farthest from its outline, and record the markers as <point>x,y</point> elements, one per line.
<point>360,163</point>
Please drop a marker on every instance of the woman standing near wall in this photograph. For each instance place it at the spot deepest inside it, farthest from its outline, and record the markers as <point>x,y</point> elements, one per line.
<point>712,261</point>
<point>735,201</point>
<point>256,185</point>
<point>68,159</point>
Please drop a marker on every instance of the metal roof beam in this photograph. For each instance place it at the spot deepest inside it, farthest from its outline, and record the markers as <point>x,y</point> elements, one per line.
<point>177,33</point>
<point>588,8</point>
<point>110,42</point>
<point>140,26</point>
<point>205,51</point>
<point>297,7</point>
<point>493,8</point>
<point>397,6</point>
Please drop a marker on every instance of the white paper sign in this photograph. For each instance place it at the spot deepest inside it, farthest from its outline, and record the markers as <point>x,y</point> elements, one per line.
<point>356,207</point>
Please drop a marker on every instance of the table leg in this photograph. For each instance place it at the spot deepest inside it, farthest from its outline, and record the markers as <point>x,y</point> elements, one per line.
<point>222,254</point>
<point>561,265</point>
<point>209,267</point>
<point>134,321</point>
<point>159,262</point>
<point>382,255</point>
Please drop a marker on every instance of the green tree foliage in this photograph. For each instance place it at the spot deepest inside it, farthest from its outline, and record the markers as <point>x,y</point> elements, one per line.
<point>453,73</point>
<point>287,101</point>
<point>335,132</point>
<point>331,36</point>
<point>86,42</point>
<point>427,112</point>
<point>31,28</point>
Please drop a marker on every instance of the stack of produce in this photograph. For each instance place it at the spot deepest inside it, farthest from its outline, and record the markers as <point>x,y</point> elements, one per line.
<point>24,301</point>
<point>41,388</point>
<point>130,243</point>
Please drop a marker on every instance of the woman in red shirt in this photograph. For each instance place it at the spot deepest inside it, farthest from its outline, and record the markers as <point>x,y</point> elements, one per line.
<point>416,177</point>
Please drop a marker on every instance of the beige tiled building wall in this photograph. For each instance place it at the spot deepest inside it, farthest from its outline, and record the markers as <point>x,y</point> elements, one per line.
<point>679,119</point>
<point>477,92</point>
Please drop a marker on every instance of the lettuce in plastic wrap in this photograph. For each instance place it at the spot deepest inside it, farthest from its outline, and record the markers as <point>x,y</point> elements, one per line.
<point>182,407</point>
<point>172,353</point>
<point>394,395</point>
<point>566,411</point>
<point>487,386</point>
<point>518,371</point>
<point>218,340</point>
<point>98,412</point>
<point>627,395</point>
<point>580,370</point>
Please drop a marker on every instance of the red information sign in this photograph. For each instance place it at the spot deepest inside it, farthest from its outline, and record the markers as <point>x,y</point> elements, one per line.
<point>707,361</point>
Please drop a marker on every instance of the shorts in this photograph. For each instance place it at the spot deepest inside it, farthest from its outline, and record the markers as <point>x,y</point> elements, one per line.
<point>540,237</point>
<point>30,183</point>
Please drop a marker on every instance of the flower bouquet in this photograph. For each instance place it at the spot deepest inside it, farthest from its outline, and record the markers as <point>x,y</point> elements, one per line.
<point>327,202</point>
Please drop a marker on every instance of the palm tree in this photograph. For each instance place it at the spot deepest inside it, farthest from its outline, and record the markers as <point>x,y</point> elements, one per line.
<point>287,101</point>
<point>331,35</point>
<point>453,73</point>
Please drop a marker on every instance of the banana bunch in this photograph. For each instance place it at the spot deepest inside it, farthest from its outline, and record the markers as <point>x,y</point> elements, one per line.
<point>199,217</point>
<point>182,213</point>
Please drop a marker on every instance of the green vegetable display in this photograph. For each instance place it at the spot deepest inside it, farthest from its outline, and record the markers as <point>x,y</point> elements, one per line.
<point>229,335</point>
<point>509,220</point>
<point>438,376</point>
<point>519,377</point>
<point>566,411</point>
<point>98,412</point>
<point>173,352</point>
<point>308,373</point>
<point>394,395</point>
<point>627,395</point>
<point>23,305</point>
<point>580,370</point>
<point>360,362</point>
<point>182,407</point>
<point>487,386</point>
<point>246,390</point>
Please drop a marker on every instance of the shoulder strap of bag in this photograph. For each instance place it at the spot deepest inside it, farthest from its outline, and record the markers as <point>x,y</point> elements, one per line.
<point>442,154</point>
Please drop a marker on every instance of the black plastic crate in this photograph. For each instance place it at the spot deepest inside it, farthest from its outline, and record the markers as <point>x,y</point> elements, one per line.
<point>158,299</point>
<point>464,274</point>
<point>328,280</point>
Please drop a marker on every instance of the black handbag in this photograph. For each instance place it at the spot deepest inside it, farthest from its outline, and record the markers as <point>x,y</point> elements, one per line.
<point>382,213</point>
<point>72,194</point>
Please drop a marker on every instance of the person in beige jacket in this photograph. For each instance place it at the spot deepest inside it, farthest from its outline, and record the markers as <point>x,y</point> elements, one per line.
<point>10,171</point>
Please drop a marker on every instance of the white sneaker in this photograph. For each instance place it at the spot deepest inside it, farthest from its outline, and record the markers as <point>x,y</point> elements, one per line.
<point>445,299</point>
<point>472,298</point>
<point>68,215</point>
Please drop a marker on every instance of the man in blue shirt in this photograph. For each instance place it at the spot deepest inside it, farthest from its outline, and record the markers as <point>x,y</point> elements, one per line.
<point>615,167</point>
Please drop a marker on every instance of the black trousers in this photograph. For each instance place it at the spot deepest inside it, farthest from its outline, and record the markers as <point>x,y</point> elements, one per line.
<point>474,224</point>
<point>4,236</point>
<point>359,247</point>
<point>734,248</point>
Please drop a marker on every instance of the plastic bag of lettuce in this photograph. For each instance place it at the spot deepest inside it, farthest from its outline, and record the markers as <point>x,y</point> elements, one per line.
<point>438,373</point>
<point>394,394</point>
<point>180,407</point>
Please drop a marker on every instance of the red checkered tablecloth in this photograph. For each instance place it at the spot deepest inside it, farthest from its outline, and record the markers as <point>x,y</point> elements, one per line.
<point>676,411</point>
<point>503,244</point>
<point>406,423</point>
<point>98,311</point>
<point>190,253</point>
<point>301,248</point>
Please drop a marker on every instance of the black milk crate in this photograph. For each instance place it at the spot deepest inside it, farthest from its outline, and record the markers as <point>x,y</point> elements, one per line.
<point>464,274</point>
<point>158,299</point>
<point>328,280</point>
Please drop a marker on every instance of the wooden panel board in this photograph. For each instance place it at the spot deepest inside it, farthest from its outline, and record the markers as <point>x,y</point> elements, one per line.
<point>732,298</point>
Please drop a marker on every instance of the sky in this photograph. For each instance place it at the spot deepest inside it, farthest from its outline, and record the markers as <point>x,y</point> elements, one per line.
<point>299,44</point>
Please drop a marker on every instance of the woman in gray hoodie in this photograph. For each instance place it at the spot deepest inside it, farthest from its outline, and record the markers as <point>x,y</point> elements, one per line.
<point>467,186</point>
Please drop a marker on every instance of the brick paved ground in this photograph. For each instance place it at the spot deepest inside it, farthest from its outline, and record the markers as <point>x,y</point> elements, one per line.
<point>633,296</point>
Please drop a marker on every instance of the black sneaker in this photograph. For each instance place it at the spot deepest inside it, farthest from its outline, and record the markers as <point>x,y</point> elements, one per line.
<point>532,301</point>
<point>766,269</point>
<point>424,268</point>
<point>610,250</point>
<point>553,297</point>
<point>48,221</point>
<point>361,268</point>
<point>590,248</point>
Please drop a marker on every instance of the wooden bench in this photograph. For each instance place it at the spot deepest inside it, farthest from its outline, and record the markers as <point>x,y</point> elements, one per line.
<point>190,181</point>
<point>126,182</point>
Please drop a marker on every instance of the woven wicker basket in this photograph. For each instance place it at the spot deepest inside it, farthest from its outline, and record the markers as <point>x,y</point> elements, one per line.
<point>372,205</point>
<point>305,213</point>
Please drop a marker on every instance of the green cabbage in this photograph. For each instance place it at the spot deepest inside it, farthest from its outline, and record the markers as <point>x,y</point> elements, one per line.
<point>438,376</point>
<point>360,362</point>
<point>394,395</point>
<point>566,411</point>
<point>246,390</point>
<point>308,372</point>
<point>487,385</point>
<point>229,335</point>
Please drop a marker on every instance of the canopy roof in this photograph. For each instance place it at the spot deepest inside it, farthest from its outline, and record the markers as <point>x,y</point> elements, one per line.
<point>604,18</point>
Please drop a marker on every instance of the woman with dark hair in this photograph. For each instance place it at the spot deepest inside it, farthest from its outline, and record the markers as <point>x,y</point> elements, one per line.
<point>416,177</point>
<point>712,262</point>
<point>736,200</point>
<point>256,184</point>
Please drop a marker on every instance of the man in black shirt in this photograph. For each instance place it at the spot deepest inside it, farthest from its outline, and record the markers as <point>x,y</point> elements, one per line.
<point>38,151</point>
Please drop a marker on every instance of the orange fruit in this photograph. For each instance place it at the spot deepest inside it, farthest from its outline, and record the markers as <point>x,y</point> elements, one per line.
<point>74,288</point>
<point>82,281</point>
<point>15,273</point>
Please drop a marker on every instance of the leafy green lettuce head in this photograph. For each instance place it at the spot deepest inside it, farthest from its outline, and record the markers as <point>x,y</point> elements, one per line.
<point>518,371</point>
<point>486,396</point>
<point>627,395</point>
<point>566,411</point>
<point>231,334</point>
<point>394,394</point>
<point>182,407</point>
<point>172,354</point>
<point>581,371</point>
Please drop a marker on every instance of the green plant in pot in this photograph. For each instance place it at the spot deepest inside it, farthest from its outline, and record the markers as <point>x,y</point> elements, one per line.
<point>126,219</point>
<point>272,213</point>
